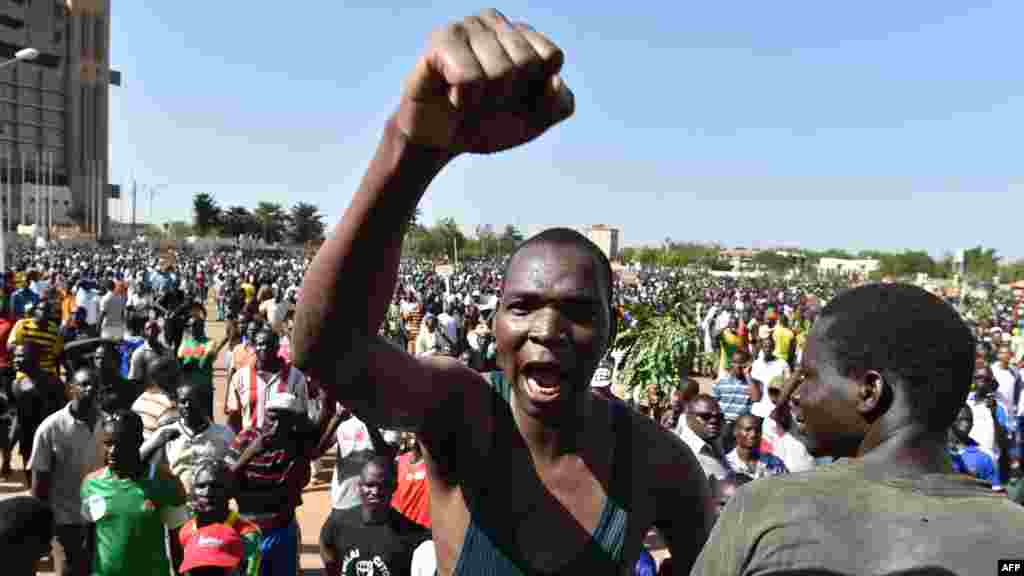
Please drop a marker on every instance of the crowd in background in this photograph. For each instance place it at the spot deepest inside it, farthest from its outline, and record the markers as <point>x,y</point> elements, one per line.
<point>108,382</point>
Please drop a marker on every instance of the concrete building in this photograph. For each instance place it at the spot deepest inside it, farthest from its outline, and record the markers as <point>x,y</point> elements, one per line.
<point>844,266</point>
<point>54,124</point>
<point>606,238</point>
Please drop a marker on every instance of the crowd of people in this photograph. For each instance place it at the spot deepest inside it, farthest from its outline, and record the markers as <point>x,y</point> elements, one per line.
<point>478,417</point>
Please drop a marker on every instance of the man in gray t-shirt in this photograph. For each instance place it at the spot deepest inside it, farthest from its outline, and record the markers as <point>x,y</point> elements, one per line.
<point>66,450</point>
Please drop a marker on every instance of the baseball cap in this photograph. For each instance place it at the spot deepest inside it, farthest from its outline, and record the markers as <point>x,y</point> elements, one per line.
<point>285,401</point>
<point>215,545</point>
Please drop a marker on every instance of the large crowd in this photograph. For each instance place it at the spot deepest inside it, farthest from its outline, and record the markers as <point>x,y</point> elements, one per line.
<point>108,383</point>
<point>479,418</point>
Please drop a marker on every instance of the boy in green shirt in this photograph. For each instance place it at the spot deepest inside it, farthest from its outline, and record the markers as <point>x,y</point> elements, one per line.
<point>126,510</point>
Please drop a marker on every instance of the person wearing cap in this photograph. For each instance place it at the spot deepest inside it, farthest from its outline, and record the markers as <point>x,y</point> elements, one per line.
<point>271,465</point>
<point>217,540</point>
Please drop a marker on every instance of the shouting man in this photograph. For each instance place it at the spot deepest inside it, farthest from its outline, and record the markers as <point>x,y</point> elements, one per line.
<point>528,471</point>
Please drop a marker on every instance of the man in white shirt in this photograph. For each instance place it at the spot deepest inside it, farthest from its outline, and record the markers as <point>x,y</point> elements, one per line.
<point>699,428</point>
<point>993,423</point>
<point>447,323</point>
<point>192,438</point>
<point>1007,378</point>
<point>766,369</point>
<point>112,313</point>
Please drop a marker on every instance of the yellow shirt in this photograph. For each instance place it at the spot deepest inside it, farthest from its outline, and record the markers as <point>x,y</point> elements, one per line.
<point>783,339</point>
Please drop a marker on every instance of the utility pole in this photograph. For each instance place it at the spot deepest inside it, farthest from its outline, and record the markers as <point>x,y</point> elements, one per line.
<point>135,191</point>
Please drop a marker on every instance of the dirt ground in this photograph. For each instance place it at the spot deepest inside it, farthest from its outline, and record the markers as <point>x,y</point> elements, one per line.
<point>316,497</point>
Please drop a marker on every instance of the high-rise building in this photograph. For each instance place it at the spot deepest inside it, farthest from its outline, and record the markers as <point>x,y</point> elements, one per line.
<point>54,123</point>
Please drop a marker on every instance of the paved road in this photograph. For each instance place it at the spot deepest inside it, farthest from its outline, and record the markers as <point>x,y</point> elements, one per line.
<point>316,503</point>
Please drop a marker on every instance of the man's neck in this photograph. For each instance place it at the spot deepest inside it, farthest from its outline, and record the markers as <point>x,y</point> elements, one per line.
<point>547,443</point>
<point>218,517</point>
<point>374,515</point>
<point>193,430</point>
<point>268,367</point>
<point>907,447</point>
<point>746,454</point>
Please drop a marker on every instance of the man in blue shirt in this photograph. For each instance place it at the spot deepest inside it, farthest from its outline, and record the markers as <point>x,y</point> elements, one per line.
<point>735,394</point>
<point>967,457</point>
<point>23,296</point>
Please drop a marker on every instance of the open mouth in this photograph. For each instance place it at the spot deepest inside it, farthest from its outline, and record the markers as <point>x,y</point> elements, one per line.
<point>543,381</point>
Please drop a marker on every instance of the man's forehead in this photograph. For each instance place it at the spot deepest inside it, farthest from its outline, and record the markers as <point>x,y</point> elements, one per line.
<point>552,266</point>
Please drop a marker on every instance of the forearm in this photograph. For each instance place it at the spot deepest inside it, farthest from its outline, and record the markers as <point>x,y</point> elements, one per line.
<point>150,447</point>
<point>362,257</point>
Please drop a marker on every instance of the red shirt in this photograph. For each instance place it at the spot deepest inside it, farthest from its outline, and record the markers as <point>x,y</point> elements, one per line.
<point>5,331</point>
<point>412,497</point>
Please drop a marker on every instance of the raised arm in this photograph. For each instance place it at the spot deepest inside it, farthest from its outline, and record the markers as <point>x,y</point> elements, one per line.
<point>483,85</point>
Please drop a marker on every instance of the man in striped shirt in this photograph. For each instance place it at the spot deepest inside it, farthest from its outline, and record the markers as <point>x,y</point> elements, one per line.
<point>270,465</point>
<point>736,394</point>
<point>41,330</point>
<point>253,387</point>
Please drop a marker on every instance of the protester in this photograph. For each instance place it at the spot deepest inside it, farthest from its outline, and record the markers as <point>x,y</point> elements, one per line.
<point>147,353</point>
<point>197,356</point>
<point>126,509</point>
<point>253,387</point>
<point>372,537</point>
<point>967,458</point>
<point>886,369</point>
<point>158,398</point>
<point>270,465</point>
<point>553,323</point>
<point>412,492</point>
<point>66,450</point>
<point>736,394</point>
<point>700,429</point>
<point>217,537</point>
<point>190,439</point>
<point>746,457</point>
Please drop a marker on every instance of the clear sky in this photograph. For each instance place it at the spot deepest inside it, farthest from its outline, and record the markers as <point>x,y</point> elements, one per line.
<point>873,124</point>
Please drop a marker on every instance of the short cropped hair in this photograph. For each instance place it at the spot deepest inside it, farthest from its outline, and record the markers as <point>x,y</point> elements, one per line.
<point>570,237</point>
<point>912,338</point>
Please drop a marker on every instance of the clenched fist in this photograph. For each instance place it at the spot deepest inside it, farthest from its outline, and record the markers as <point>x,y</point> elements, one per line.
<point>484,85</point>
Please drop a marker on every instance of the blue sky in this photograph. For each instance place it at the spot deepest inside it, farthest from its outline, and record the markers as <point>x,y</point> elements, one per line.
<point>883,125</point>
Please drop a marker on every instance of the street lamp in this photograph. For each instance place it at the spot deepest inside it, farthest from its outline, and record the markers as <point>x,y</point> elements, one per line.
<point>25,54</point>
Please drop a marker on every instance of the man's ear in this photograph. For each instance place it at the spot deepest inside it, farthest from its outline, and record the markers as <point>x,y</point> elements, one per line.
<point>874,394</point>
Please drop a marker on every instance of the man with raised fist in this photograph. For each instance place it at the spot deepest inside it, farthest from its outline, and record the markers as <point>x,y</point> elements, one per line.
<point>529,472</point>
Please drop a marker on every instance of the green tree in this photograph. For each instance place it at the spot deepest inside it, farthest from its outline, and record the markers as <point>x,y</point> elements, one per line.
<point>205,213</point>
<point>509,239</point>
<point>981,263</point>
<point>305,223</point>
<point>237,221</point>
<point>487,239</point>
<point>272,221</point>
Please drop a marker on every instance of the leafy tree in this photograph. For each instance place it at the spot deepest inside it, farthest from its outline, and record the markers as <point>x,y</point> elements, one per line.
<point>509,239</point>
<point>237,221</point>
<point>774,262</point>
<point>306,223</point>
<point>981,263</point>
<point>272,221</point>
<point>205,213</point>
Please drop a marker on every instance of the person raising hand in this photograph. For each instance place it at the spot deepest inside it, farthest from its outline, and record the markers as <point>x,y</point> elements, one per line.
<point>529,472</point>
